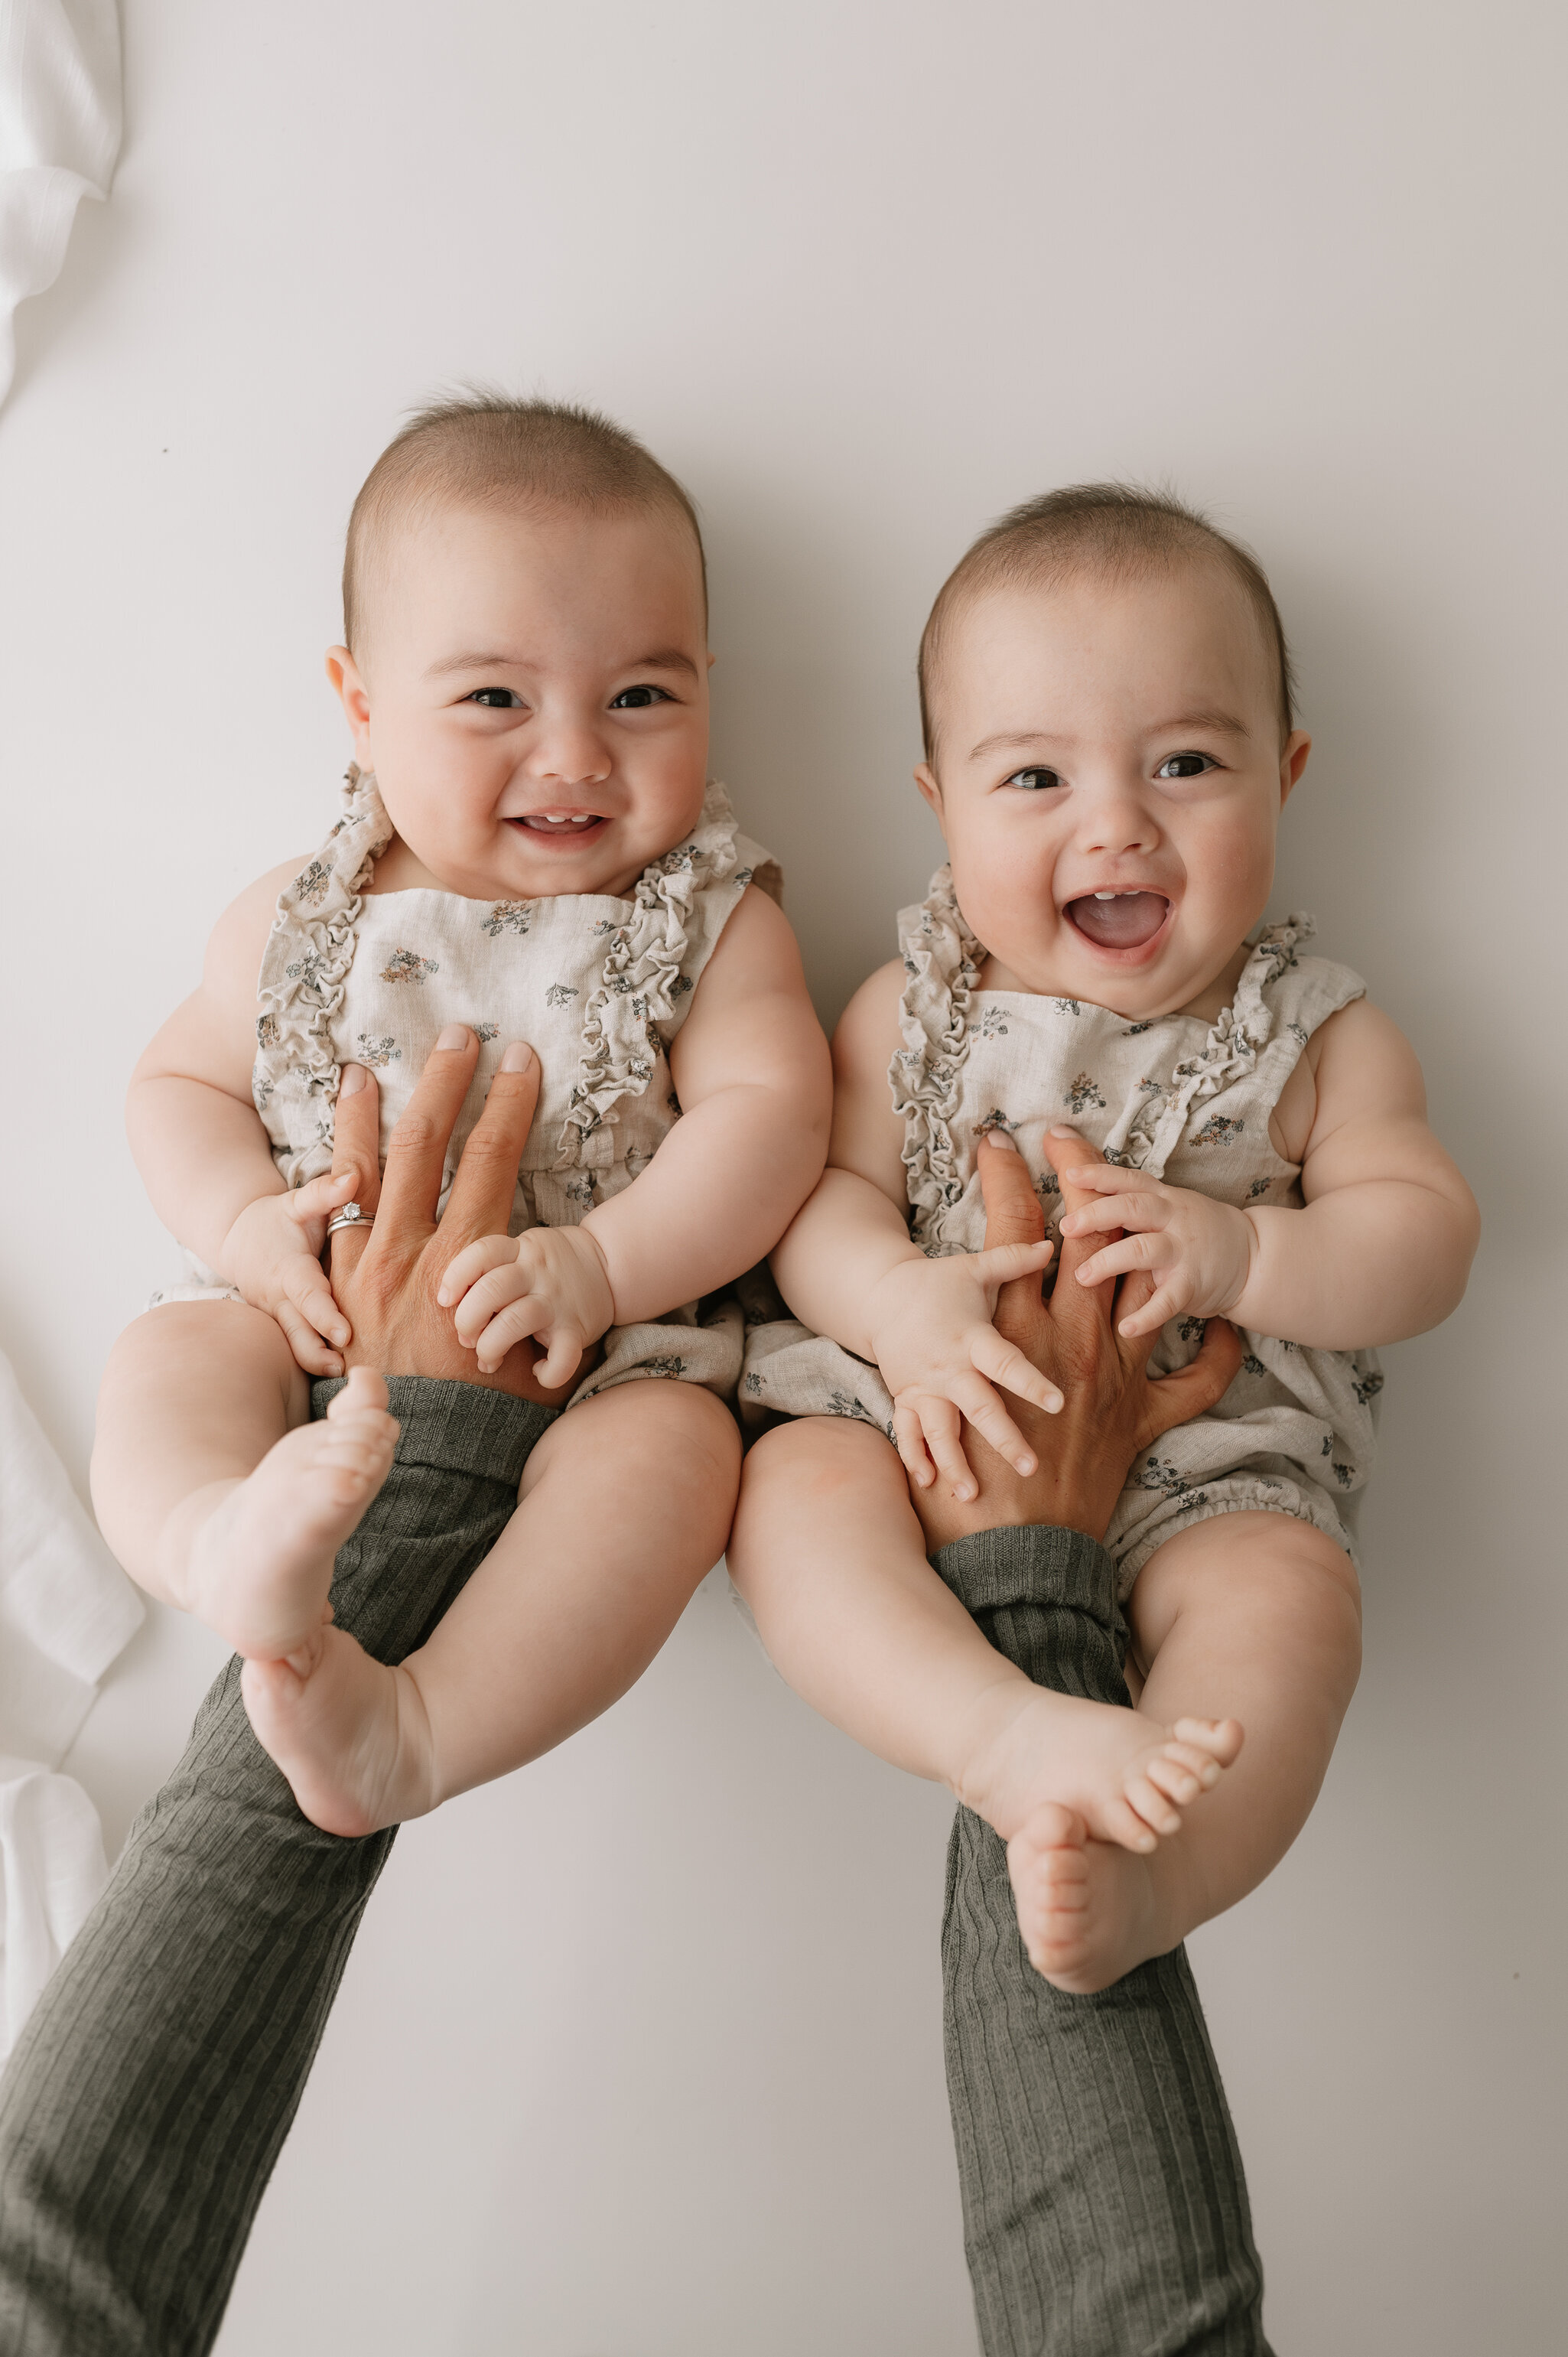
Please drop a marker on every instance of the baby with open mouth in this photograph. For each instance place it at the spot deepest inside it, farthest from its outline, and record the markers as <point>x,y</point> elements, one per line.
<point>1110,741</point>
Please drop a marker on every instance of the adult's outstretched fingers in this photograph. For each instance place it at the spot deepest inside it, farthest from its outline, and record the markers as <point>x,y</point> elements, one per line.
<point>1012,1216</point>
<point>1074,1304</point>
<point>483,1186</point>
<point>1013,1213</point>
<point>417,1151</point>
<point>357,1147</point>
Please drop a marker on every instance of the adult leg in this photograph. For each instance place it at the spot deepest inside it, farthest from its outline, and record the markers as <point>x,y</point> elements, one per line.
<point>148,2097</point>
<point>1106,2209</point>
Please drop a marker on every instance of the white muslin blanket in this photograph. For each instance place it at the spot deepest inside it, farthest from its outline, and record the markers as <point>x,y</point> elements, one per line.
<point>66,1610</point>
<point>60,133</point>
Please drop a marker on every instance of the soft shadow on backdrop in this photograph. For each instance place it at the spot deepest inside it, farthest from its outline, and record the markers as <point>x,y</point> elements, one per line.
<point>640,2050</point>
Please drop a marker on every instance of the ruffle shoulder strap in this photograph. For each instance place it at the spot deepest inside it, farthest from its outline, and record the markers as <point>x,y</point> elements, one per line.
<point>304,965</point>
<point>1280,998</point>
<point>941,967</point>
<point>646,974</point>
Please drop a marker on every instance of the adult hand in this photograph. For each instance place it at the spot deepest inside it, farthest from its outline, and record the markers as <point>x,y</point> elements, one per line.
<point>386,1277</point>
<point>1112,1410</point>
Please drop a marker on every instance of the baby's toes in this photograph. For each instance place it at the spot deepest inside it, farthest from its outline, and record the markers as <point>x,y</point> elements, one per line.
<point>1181,1781</point>
<point>1156,1812</point>
<point>1217,1739</point>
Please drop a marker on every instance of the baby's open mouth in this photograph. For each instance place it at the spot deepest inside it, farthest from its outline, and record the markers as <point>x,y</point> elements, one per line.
<point>568,829</point>
<point>1119,920</point>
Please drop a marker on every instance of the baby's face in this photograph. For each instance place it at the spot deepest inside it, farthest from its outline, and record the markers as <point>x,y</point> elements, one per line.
<point>532,695</point>
<point>1109,778</point>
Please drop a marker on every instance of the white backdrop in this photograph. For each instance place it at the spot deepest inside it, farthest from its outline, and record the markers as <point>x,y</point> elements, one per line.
<point>639,2055</point>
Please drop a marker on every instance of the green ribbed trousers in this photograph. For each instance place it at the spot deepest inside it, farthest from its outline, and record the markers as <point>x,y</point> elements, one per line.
<point>149,2095</point>
<point>1105,2210</point>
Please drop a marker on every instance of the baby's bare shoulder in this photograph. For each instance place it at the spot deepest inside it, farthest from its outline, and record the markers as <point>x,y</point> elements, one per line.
<point>867,1031</point>
<point>211,1035</point>
<point>1357,1063</point>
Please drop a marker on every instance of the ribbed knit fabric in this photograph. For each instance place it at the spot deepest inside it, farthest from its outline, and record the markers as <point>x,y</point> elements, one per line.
<point>1105,2209</point>
<point>150,2093</point>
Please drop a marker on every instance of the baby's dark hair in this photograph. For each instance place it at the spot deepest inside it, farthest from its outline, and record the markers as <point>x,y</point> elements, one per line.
<point>1116,530</point>
<point>483,450</point>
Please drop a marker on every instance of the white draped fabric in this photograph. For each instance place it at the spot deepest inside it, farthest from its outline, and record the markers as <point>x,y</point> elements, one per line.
<point>60,134</point>
<point>66,1610</point>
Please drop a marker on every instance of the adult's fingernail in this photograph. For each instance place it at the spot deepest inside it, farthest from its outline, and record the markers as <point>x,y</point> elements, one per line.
<point>455,1036</point>
<point>518,1056</point>
<point>351,1080</point>
<point>999,1137</point>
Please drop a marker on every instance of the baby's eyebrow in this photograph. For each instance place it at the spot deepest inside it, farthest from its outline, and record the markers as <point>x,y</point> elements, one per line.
<point>1218,724</point>
<point>664,659</point>
<point>483,661</point>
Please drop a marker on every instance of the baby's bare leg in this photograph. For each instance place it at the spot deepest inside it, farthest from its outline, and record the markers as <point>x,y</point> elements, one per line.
<point>828,1552</point>
<point>625,1505</point>
<point>211,1485</point>
<point>1257,1613</point>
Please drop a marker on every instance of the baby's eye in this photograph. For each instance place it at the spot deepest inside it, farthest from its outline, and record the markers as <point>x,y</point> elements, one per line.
<point>1032,782</point>
<point>636,699</point>
<point>495,699</point>
<point>1185,765</point>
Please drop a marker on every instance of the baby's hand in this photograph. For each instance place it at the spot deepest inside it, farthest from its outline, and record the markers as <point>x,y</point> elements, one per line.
<point>272,1252</point>
<point>934,1341</point>
<point>549,1282</point>
<point>1199,1252</point>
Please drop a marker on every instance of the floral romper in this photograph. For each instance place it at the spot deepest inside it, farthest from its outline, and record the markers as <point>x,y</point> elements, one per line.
<point>598,987</point>
<point>1186,1101</point>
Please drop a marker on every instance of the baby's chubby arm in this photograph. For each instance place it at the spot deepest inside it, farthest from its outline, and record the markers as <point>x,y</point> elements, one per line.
<point>1382,1247</point>
<point>751,1067</point>
<point>848,1268</point>
<point>204,1157</point>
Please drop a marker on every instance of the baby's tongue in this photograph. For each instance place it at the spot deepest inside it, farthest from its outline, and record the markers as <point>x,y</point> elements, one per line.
<point>1124,923</point>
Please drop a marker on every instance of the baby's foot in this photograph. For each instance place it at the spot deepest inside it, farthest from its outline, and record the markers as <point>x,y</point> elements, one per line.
<point>351,1735</point>
<point>1088,1911</point>
<point>259,1566</point>
<point>1128,1777</point>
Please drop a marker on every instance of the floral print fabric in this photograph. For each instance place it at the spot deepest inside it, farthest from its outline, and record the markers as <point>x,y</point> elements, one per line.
<point>598,986</point>
<point>1186,1101</point>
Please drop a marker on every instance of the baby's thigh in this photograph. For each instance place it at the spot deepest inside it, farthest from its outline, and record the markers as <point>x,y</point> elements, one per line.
<point>644,1455</point>
<point>1258,1579</point>
<point>201,1372</point>
<point>819,1486</point>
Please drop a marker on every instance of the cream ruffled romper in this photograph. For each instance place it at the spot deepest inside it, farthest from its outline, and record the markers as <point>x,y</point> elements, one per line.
<point>598,986</point>
<point>1186,1101</point>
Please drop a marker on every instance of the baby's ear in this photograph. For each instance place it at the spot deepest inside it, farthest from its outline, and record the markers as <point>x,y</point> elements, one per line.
<point>930,792</point>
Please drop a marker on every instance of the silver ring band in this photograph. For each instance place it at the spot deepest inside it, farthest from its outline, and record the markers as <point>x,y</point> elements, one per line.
<point>347,1215</point>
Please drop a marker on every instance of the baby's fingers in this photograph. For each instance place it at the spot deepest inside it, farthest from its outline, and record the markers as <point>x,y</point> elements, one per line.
<point>910,1442</point>
<point>320,1198</point>
<point>475,1260</point>
<point>309,1350</point>
<point>306,1290</point>
<point>485,1300</point>
<point>1007,1365</point>
<point>1003,1263</point>
<point>939,1421</point>
<point>1166,1302</point>
<point>514,1324</point>
<point>1127,1211</point>
<point>979,1402</point>
<point>1122,1258</point>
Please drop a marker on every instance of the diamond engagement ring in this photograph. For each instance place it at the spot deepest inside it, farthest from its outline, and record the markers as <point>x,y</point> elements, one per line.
<point>347,1215</point>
